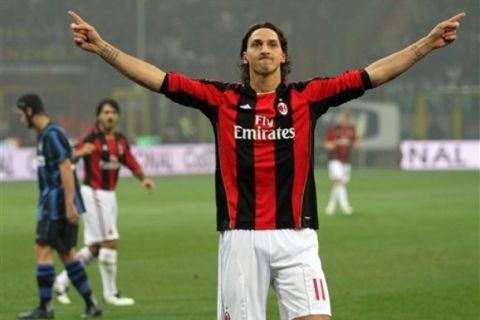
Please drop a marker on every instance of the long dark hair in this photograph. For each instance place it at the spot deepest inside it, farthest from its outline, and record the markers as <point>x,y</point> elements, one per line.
<point>110,102</point>
<point>284,68</point>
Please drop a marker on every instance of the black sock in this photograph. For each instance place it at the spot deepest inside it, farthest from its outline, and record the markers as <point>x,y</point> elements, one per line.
<point>45,279</point>
<point>79,279</point>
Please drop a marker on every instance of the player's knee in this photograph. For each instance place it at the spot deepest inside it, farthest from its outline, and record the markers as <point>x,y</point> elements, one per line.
<point>110,244</point>
<point>67,257</point>
<point>94,249</point>
<point>43,254</point>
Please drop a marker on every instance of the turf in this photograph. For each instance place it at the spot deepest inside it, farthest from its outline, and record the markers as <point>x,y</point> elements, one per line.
<point>410,251</point>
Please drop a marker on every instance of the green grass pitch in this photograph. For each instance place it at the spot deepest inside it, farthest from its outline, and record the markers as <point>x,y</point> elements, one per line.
<point>410,251</point>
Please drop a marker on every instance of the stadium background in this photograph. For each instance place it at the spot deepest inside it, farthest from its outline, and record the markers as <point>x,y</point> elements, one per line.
<point>422,259</point>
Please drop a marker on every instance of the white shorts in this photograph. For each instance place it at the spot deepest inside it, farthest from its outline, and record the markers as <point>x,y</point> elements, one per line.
<point>252,260</point>
<point>339,171</point>
<point>100,220</point>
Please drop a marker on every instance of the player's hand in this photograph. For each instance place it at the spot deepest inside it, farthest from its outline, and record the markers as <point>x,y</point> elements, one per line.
<point>149,184</point>
<point>330,145</point>
<point>87,148</point>
<point>84,35</point>
<point>72,215</point>
<point>445,32</point>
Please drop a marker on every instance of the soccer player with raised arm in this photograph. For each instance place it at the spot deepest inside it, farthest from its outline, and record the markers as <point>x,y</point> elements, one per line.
<point>264,136</point>
<point>104,151</point>
<point>58,210</point>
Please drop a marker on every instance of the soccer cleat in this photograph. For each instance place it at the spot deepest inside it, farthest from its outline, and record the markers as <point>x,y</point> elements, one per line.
<point>61,293</point>
<point>347,209</point>
<point>118,300</point>
<point>330,209</point>
<point>37,313</point>
<point>92,311</point>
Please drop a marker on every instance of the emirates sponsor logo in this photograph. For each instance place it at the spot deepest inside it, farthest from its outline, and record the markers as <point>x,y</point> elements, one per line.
<point>264,130</point>
<point>107,165</point>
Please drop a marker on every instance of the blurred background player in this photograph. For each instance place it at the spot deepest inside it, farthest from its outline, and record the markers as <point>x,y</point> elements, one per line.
<point>265,189</point>
<point>104,151</point>
<point>339,141</point>
<point>58,212</point>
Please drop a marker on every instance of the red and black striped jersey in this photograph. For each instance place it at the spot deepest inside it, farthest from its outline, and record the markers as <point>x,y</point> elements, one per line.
<point>344,139</point>
<point>102,166</point>
<point>264,145</point>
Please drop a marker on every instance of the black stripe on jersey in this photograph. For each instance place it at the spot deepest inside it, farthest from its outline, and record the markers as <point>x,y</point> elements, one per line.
<point>309,204</point>
<point>87,161</point>
<point>49,154</point>
<point>88,176</point>
<point>105,157</point>
<point>223,218</point>
<point>121,156</point>
<point>284,166</point>
<point>246,166</point>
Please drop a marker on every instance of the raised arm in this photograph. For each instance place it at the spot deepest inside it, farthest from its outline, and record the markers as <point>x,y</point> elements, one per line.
<point>87,38</point>
<point>390,67</point>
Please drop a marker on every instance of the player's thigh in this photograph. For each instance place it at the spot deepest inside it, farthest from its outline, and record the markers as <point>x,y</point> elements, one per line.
<point>100,219</point>
<point>347,172</point>
<point>298,278</point>
<point>335,170</point>
<point>57,234</point>
<point>243,276</point>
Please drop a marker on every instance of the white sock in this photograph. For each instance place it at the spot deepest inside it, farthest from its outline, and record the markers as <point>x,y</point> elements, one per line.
<point>107,262</point>
<point>85,257</point>
<point>342,195</point>
<point>333,197</point>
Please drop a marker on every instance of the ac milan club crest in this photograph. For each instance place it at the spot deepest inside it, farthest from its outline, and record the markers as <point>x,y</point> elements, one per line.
<point>282,108</point>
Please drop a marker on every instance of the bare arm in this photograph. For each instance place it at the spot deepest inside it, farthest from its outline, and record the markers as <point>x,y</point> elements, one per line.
<point>85,150</point>
<point>66,175</point>
<point>87,38</point>
<point>390,67</point>
<point>146,182</point>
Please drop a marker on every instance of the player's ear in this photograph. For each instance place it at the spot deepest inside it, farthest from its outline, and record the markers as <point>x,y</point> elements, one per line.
<point>244,58</point>
<point>29,111</point>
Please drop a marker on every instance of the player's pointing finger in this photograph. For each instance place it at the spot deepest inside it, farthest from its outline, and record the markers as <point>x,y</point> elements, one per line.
<point>457,17</point>
<point>75,17</point>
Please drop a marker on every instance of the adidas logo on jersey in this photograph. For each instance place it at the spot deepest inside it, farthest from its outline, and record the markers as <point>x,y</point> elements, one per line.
<point>246,107</point>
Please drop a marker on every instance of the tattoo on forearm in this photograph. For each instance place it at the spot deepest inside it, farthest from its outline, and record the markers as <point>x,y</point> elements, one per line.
<point>417,52</point>
<point>109,53</point>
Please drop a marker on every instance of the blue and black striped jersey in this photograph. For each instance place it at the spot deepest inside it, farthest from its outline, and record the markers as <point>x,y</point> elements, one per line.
<point>53,148</point>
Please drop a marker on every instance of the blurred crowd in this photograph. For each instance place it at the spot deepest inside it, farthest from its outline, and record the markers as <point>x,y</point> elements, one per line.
<point>201,38</point>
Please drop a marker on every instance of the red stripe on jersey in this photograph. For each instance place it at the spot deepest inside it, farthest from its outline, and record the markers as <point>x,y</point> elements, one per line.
<point>302,124</point>
<point>114,156</point>
<point>201,90</point>
<point>264,155</point>
<point>228,154</point>
<point>337,87</point>
<point>93,168</point>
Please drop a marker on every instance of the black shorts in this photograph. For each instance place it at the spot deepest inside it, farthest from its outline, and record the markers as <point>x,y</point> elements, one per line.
<point>58,234</point>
